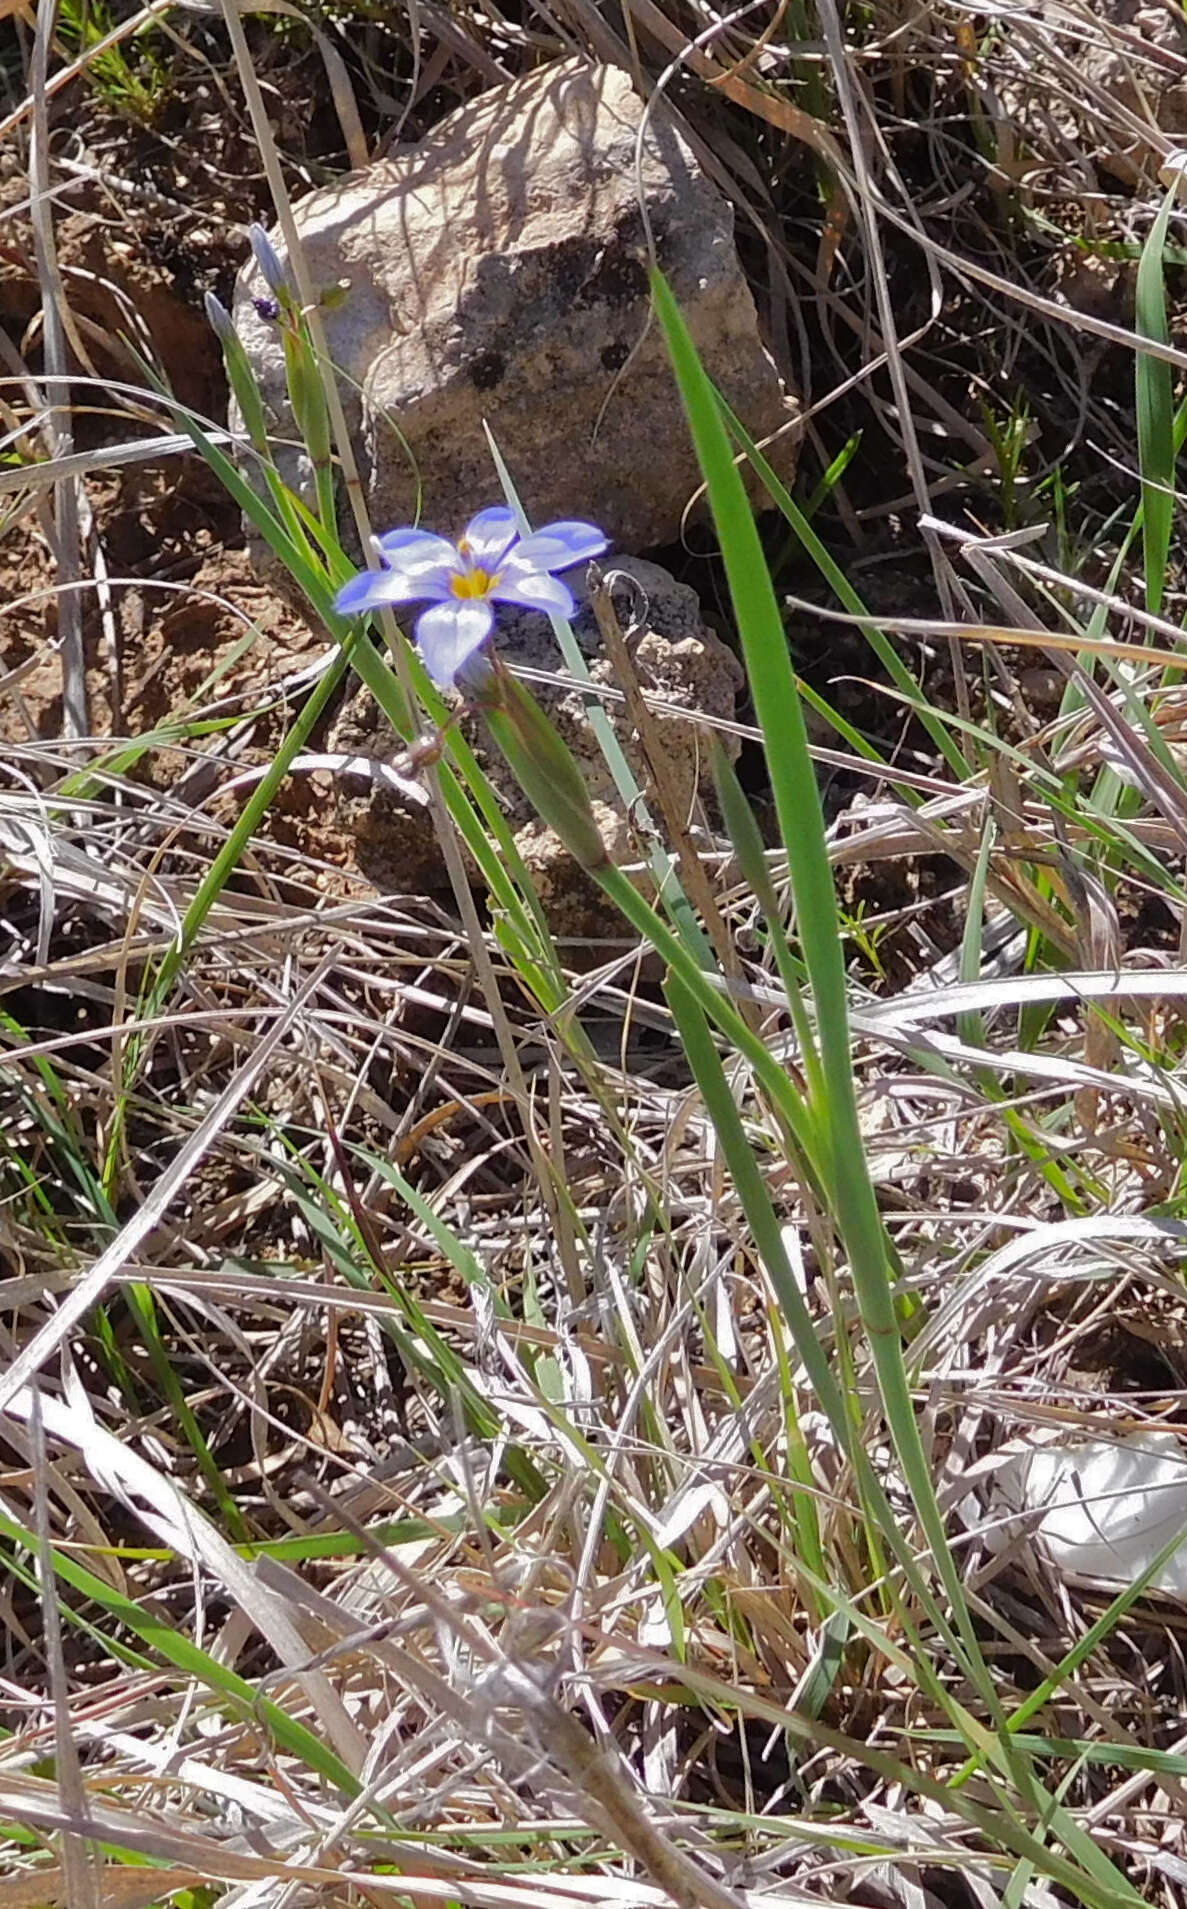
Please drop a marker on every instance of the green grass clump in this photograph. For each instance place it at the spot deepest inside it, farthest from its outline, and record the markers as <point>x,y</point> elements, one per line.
<point>129,72</point>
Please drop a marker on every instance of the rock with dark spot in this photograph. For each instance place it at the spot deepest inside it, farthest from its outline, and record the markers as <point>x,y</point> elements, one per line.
<point>498,272</point>
<point>487,370</point>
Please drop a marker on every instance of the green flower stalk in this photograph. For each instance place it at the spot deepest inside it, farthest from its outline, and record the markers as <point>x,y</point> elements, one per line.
<point>240,376</point>
<point>308,398</point>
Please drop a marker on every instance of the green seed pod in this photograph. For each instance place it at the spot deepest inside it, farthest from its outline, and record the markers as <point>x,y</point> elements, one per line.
<point>743,831</point>
<point>543,765</point>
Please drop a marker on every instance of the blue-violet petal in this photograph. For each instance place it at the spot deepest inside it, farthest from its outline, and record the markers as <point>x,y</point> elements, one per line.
<point>449,633</point>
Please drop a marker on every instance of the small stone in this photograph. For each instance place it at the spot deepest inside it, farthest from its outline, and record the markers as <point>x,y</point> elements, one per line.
<point>677,658</point>
<point>497,274</point>
<point>1131,54</point>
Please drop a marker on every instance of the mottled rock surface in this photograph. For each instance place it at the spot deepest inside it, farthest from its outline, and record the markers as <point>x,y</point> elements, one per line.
<point>1107,77</point>
<point>675,656</point>
<point>498,271</point>
<point>1140,59</point>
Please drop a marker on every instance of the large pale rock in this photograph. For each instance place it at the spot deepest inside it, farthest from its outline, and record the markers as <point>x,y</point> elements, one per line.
<point>497,271</point>
<point>676,658</point>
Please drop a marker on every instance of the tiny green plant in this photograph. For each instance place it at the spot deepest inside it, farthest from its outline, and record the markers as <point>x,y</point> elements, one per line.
<point>133,80</point>
<point>1010,432</point>
<point>1155,399</point>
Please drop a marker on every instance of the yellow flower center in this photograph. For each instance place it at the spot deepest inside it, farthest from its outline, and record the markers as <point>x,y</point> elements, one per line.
<point>474,583</point>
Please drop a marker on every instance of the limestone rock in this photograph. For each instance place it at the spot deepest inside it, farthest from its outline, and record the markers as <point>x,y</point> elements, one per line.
<point>675,656</point>
<point>498,271</point>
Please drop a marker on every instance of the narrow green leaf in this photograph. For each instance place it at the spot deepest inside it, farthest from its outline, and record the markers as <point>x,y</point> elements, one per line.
<point>1155,409</point>
<point>240,1697</point>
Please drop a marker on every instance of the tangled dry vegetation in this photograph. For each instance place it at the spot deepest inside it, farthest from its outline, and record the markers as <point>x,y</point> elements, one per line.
<point>409,1487</point>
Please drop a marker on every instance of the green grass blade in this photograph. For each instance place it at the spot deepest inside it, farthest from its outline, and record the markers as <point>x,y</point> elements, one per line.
<point>241,1698</point>
<point>839,583</point>
<point>842,1151</point>
<point>1155,395</point>
<point>797,802</point>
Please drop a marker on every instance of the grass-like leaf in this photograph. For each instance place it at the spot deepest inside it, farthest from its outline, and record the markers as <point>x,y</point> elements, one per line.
<point>1155,409</point>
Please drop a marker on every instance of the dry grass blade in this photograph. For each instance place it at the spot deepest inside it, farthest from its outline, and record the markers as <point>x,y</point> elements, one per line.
<point>176,1522</point>
<point>79,1864</point>
<point>403,1429</point>
<point>91,1286</point>
<point>55,328</point>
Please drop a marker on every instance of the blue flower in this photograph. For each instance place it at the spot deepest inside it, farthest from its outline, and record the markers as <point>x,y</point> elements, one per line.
<point>490,564</point>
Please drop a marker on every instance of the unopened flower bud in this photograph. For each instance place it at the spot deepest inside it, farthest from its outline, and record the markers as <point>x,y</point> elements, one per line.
<point>219,318</point>
<point>544,766</point>
<point>268,259</point>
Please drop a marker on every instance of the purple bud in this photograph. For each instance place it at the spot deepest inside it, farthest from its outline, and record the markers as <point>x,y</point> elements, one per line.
<point>268,260</point>
<point>219,318</point>
<point>267,308</point>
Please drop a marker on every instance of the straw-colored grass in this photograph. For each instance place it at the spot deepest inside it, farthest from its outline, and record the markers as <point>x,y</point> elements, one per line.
<point>484,1427</point>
